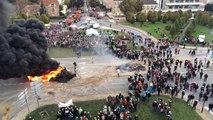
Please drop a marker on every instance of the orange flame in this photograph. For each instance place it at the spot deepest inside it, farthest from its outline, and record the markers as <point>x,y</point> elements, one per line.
<point>46,77</point>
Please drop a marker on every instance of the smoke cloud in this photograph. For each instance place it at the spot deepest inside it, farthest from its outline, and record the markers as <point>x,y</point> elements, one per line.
<point>5,10</point>
<point>23,50</point>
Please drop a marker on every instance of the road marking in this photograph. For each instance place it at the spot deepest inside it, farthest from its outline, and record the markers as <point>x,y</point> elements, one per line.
<point>81,68</point>
<point>82,63</point>
<point>83,73</point>
<point>119,83</point>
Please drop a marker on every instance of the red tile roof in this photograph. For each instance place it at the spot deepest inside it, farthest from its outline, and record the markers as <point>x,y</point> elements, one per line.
<point>32,7</point>
<point>48,2</point>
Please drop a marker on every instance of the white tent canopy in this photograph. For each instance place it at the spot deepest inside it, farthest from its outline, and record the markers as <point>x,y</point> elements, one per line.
<point>67,104</point>
<point>201,38</point>
<point>91,32</point>
<point>88,19</point>
<point>96,25</point>
<point>73,26</point>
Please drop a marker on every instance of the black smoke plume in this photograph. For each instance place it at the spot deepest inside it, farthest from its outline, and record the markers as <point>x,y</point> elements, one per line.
<point>23,50</point>
<point>5,10</point>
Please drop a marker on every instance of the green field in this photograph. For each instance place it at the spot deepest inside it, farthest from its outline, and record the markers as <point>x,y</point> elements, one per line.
<point>64,52</point>
<point>203,30</point>
<point>148,27</point>
<point>180,110</point>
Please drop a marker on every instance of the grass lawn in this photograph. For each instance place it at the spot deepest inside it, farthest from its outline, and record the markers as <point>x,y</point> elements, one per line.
<point>93,106</point>
<point>64,52</point>
<point>180,110</point>
<point>203,30</point>
<point>148,27</point>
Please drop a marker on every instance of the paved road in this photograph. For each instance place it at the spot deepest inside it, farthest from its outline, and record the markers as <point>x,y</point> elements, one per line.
<point>9,89</point>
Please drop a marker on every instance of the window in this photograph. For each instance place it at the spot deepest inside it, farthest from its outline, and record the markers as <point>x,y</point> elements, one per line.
<point>52,9</point>
<point>176,7</point>
<point>170,7</point>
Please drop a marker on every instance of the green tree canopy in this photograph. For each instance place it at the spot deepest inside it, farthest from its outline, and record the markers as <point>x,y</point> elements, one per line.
<point>94,3</point>
<point>132,6</point>
<point>130,17</point>
<point>44,18</point>
<point>152,16</point>
<point>210,23</point>
<point>78,3</point>
<point>68,2</point>
<point>165,18</point>
<point>160,15</point>
<point>204,19</point>
<point>209,7</point>
<point>141,17</point>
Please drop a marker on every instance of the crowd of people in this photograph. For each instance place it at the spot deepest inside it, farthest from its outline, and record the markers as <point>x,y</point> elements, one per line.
<point>73,113</point>
<point>162,70</point>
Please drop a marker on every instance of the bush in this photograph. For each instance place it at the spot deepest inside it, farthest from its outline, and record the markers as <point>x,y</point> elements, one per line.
<point>168,27</point>
<point>44,18</point>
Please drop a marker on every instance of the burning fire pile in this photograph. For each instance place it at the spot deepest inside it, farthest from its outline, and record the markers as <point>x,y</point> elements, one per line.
<point>131,67</point>
<point>59,75</point>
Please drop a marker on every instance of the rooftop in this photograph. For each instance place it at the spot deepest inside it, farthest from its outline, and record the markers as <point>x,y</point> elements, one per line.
<point>145,2</point>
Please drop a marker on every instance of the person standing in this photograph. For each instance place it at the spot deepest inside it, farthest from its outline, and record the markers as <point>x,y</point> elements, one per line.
<point>200,95</point>
<point>205,77</point>
<point>118,72</point>
<point>194,104</point>
<point>182,94</point>
<point>201,73</point>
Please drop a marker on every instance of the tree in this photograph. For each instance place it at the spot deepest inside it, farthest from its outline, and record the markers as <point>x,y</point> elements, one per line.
<point>12,1</point>
<point>210,23</point>
<point>138,4</point>
<point>133,6</point>
<point>152,16</point>
<point>159,15</point>
<point>169,14</point>
<point>34,1</point>
<point>209,7</point>
<point>165,18</point>
<point>68,3</point>
<point>204,19</point>
<point>44,18</point>
<point>127,6</point>
<point>130,17</point>
<point>172,30</point>
<point>94,3</point>
<point>141,17</point>
<point>78,3</point>
<point>174,16</point>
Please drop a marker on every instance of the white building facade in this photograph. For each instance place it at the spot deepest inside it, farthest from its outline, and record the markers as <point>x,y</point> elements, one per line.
<point>184,5</point>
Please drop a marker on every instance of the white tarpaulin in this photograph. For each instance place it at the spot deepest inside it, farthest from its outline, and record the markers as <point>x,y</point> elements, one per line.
<point>91,32</point>
<point>201,38</point>
<point>88,19</point>
<point>67,104</point>
<point>96,25</point>
<point>73,26</point>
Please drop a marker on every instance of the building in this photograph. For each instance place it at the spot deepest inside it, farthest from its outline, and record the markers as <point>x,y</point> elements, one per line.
<point>184,5</point>
<point>106,3</point>
<point>149,5</point>
<point>32,9</point>
<point>115,8</point>
<point>51,7</point>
